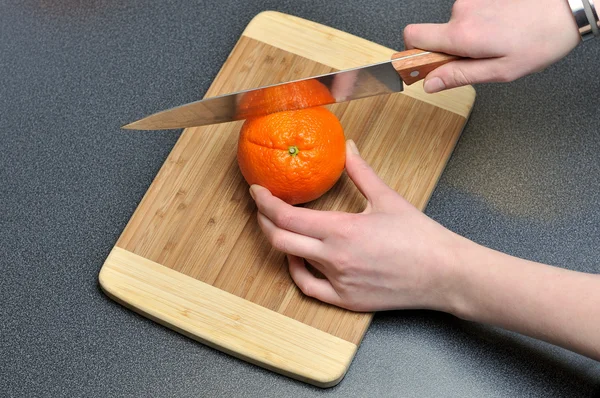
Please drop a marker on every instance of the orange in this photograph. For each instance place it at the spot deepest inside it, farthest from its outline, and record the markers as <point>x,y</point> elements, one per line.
<point>295,95</point>
<point>297,155</point>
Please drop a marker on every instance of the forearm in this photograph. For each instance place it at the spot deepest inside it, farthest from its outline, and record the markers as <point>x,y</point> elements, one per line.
<point>541,301</point>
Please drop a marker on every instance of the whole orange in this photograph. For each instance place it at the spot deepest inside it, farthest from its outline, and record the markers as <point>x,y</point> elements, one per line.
<point>297,155</point>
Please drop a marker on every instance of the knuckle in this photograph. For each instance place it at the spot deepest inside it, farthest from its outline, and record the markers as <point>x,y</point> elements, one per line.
<point>410,33</point>
<point>359,307</point>
<point>365,167</point>
<point>284,219</point>
<point>341,261</point>
<point>279,241</point>
<point>502,74</point>
<point>459,77</point>
<point>306,288</point>
<point>502,77</point>
<point>459,7</point>
<point>344,285</point>
<point>351,299</point>
<point>507,76</point>
<point>353,305</point>
<point>464,35</point>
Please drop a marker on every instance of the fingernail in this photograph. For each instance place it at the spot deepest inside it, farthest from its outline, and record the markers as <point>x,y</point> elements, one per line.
<point>352,146</point>
<point>434,85</point>
<point>253,191</point>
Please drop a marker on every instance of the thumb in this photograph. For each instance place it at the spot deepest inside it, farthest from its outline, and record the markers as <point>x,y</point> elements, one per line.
<point>465,72</point>
<point>363,176</point>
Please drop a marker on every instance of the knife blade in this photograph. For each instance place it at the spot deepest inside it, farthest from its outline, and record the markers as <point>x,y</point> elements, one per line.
<point>361,82</point>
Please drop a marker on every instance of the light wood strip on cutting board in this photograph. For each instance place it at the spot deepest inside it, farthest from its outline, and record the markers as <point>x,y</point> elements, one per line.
<point>225,321</point>
<point>341,50</point>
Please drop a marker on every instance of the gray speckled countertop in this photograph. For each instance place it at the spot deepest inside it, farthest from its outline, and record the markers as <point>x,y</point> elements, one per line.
<point>523,179</point>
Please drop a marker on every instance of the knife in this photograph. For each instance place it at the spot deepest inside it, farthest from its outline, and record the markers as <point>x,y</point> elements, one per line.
<point>365,81</point>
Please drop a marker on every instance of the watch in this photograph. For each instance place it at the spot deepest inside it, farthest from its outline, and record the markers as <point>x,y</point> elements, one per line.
<point>586,18</point>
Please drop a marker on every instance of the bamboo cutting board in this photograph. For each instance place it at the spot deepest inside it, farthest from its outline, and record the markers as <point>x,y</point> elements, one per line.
<point>193,258</point>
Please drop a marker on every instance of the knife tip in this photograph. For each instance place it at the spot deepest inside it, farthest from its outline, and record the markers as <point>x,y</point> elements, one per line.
<point>129,126</point>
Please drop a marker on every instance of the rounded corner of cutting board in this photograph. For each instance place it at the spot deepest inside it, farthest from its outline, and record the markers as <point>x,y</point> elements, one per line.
<point>332,381</point>
<point>224,321</point>
<point>263,16</point>
<point>104,280</point>
<point>470,94</point>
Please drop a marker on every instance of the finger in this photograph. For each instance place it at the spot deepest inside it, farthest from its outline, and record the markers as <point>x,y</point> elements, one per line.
<point>363,176</point>
<point>316,265</point>
<point>465,72</point>
<point>290,242</point>
<point>310,285</point>
<point>429,36</point>
<point>303,221</point>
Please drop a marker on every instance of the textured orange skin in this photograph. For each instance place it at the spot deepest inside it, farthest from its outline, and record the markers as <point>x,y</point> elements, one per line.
<point>264,153</point>
<point>296,95</point>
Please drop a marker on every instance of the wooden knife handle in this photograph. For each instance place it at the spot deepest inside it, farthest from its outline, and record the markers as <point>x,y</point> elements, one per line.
<point>418,66</point>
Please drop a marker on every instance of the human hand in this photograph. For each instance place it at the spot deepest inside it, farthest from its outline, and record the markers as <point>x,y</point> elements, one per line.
<point>506,39</point>
<point>390,256</point>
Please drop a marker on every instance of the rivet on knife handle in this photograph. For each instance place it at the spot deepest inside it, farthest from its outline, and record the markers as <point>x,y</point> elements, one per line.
<point>418,63</point>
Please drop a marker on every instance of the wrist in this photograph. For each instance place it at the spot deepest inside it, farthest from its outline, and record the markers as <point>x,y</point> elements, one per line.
<point>449,291</point>
<point>460,291</point>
